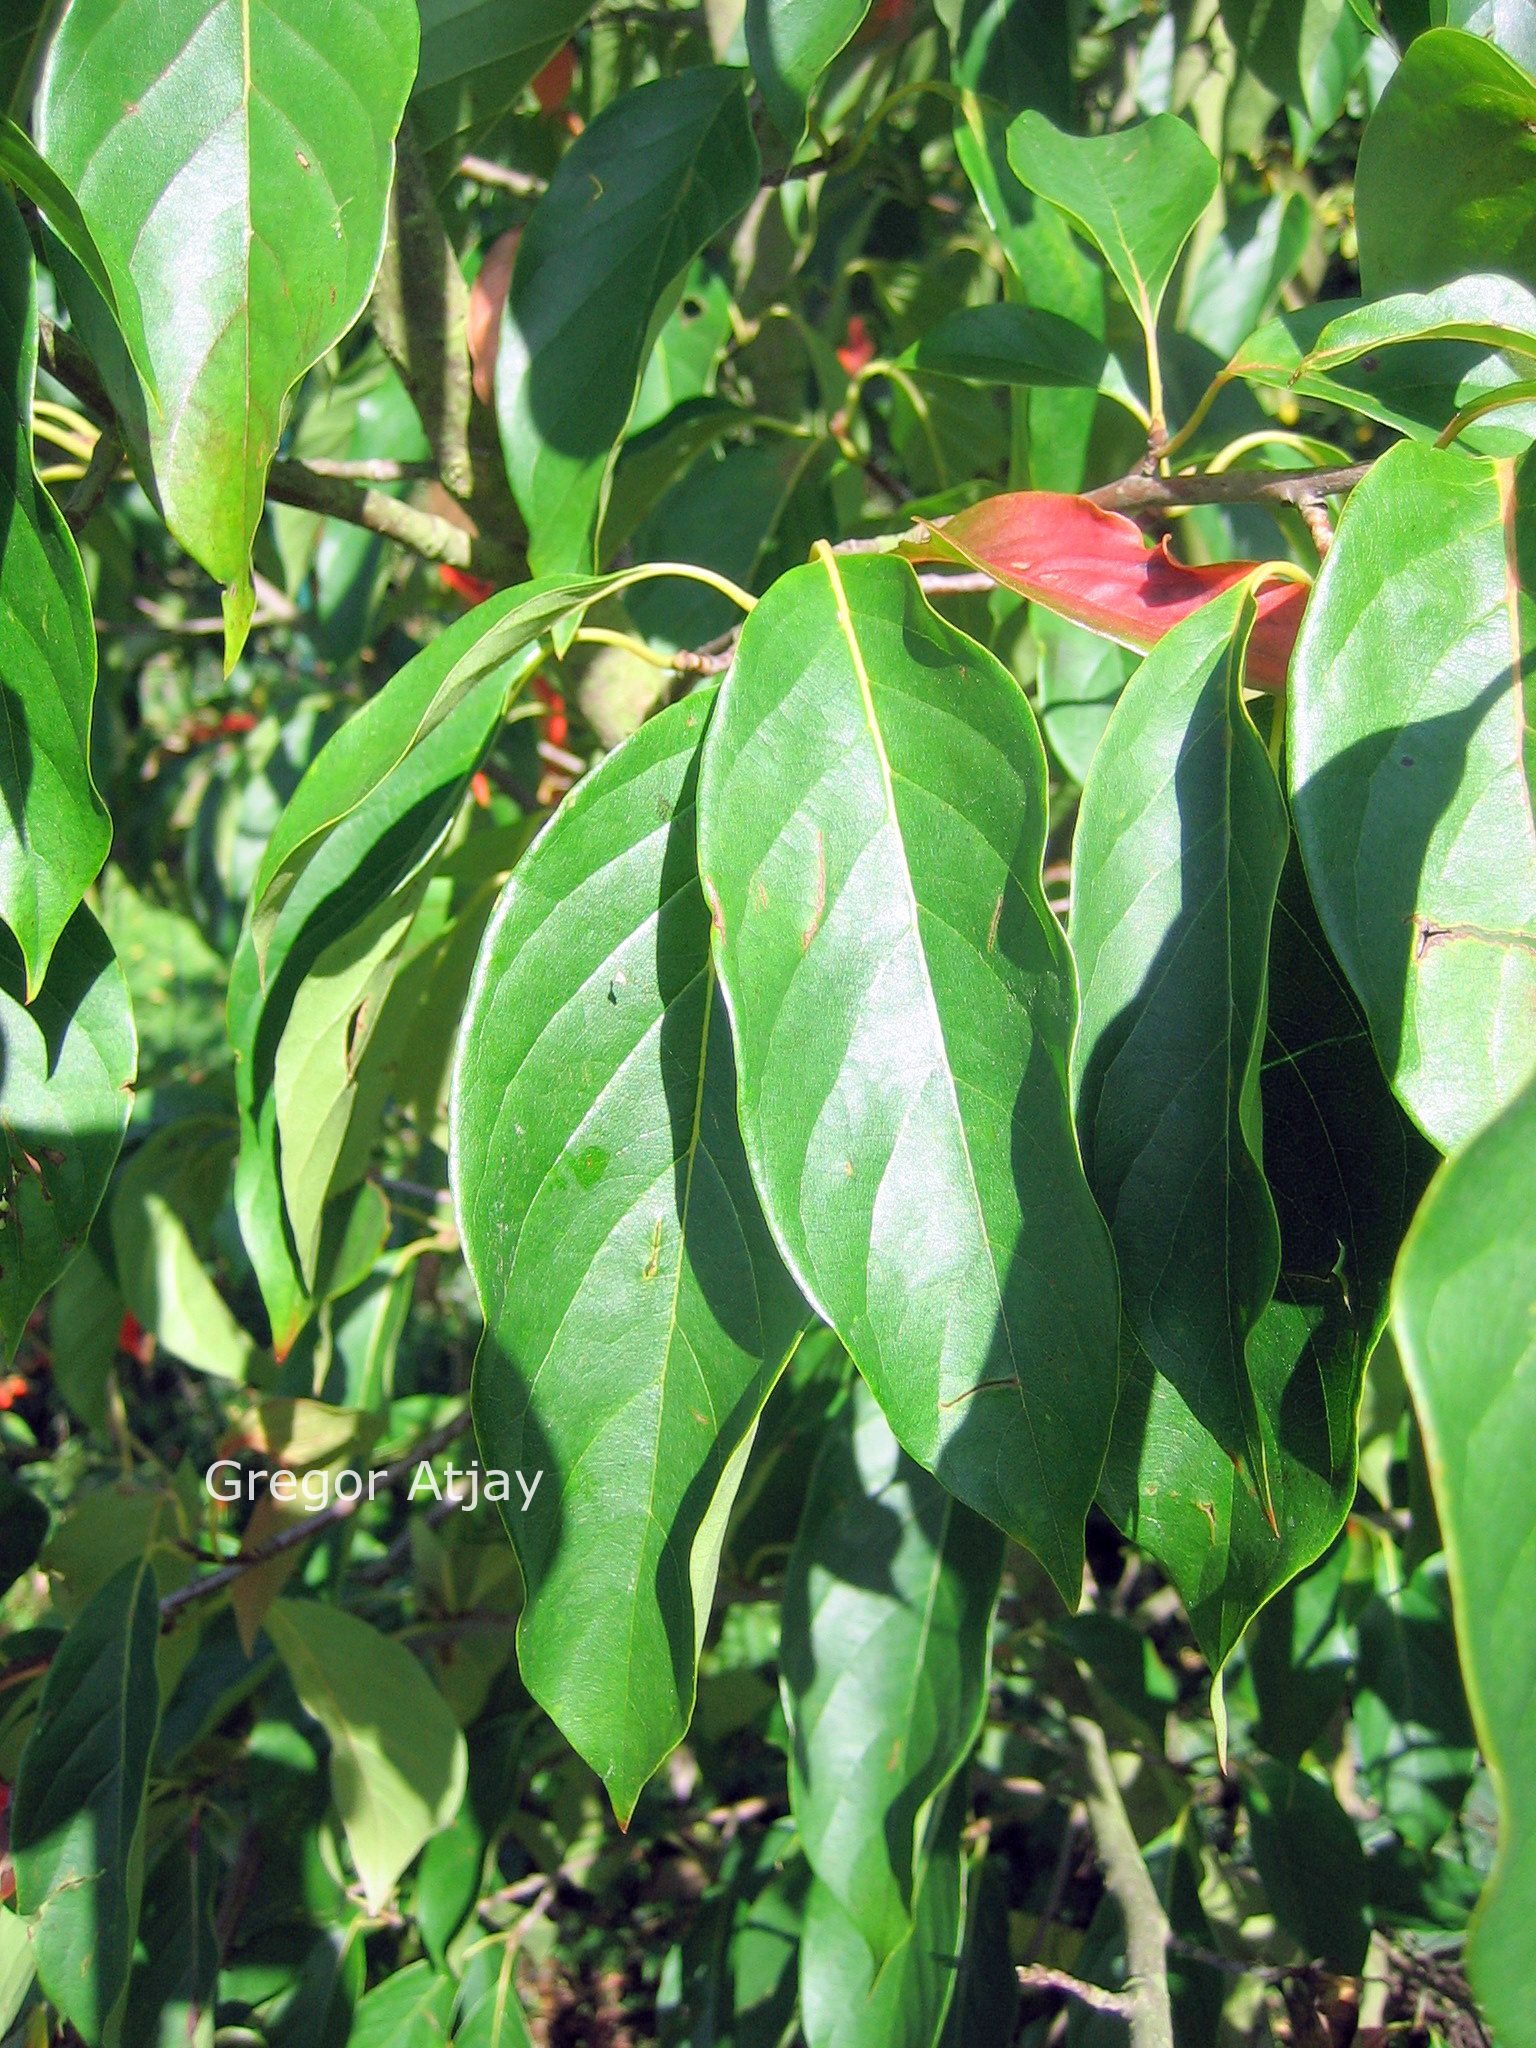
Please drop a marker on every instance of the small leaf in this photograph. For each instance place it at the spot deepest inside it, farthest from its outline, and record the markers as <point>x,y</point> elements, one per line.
<point>790,43</point>
<point>240,207</point>
<point>1289,46</point>
<point>887,1613</point>
<point>1457,103</point>
<point>1135,195</point>
<point>637,1314</point>
<point>872,823</point>
<point>639,193</point>
<point>77,1825</point>
<point>1413,783</point>
<point>54,829</point>
<point>738,1961</point>
<point>398,1762</point>
<point>1464,1313</point>
<point>1096,568</point>
<point>23,1525</point>
<point>65,1093</point>
<point>1257,252</point>
<point>1180,844</point>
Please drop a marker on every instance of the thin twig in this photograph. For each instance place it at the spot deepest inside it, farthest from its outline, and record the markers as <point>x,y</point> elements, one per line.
<point>481,171</point>
<point>368,469</point>
<point>85,499</point>
<point>338,1511</point>
<point>938,583</point>
<point>1146,2008</point>
<point>1041,1977</point>
<point>1138,493</point>
<point>435,539</point>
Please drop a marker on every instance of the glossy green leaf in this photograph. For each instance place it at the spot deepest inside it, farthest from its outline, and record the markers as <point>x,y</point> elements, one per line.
<point>490,2011</point>
<point>887,1616</point>
<point>1457,103</point>
<point>1413,782</point>
<point>636,1312</point>
<point>1180,843</point>
<point>476,58</point>
<point>1464,1313</point>
<point>1136,195</point>
<point>790,43</point>
<point>77,1825</point>
<point>1242,272</point>
<point>30,172</point>
<point>1310,1859</point>
<point>17,1968</point>
<point>397,1759</point>
<point>240,203</point>
<point>1507,23</point>
<point>54,829</point>
<point>1288,45</point>
<point>846,1999</point>
<point>163,1208</point>
<point>872,822</point>
<point>65,1094</point>
<point>640,192</point>
<point>410,2009</point>
<point>1012,344</point>
<point>1492,310</point>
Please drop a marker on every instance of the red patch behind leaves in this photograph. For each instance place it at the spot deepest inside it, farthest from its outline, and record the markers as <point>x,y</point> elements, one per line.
<point>1095,567</point>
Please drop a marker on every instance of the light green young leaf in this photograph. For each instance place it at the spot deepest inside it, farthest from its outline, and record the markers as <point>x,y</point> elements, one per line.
<point>790,43</point>
<point>657,175</point>
<point>232,159</point>
<point>65,1094</point>
<point>884,1670</point>
<point>398,1762</point>
<point>872,821</point>
<point>17,1967</point>
<point>636,1312</point>
<point>1135,195</point>
<point>77,1825</point>
<point>54,829</point>
<point>1464,1314</point>
<point>1180,843</point>
<point>1413,779</point>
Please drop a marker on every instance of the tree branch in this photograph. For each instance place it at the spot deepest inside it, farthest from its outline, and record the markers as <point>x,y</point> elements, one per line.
<point>435,539</point>
<point>1138,493</point>
<point>326,1518</point>
<point>1146,2008</point>
<point>1041,1977</point>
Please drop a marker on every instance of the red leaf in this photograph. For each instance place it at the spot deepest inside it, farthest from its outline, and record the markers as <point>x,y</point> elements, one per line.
<point>1096,567</point>
<point>476,589</point>
<point>552,86</point>
<point>858,349</point>
<point>487,296</point>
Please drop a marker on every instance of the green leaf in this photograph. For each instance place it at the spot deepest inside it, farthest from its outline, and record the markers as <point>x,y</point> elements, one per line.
<point>23,1525</point>
<point>232,159</point>
<point>1508,23</point>
<point>1180,843</point>
<point>77,1825</point>
<point>872,821</point>
<point>1492,310</point>
<point>1412,1728</point>
<point>640,192</point>
<point>17,1967</point>
<point>175,1980</point>
<point>1412,779</point>
<point>1009,344</point>
<point>65,1093</point>
<point>636,1312</point>
<point>790,43</point>
<point>887,1615</point>
<point>490,2012</point>
<point>739,1958</point>
<point>33,174</point>
<point>54,829</point>
<point>398,1761</point>
<point>1464,1314</point>
<point>476,58</point>
<point>1457,103</point>
<point>1257,252</point>
<point>1135,195</point>
<point>846,1999</point>
<point>1018,52</point>
<point>1288,45</point>
<point>162,1214</point>
<point>1079,680</point>
<point>1310,1859</point>
<point>411,2009</point>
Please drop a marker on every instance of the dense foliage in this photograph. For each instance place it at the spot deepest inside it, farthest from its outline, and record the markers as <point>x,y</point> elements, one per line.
<point>768,1005</point>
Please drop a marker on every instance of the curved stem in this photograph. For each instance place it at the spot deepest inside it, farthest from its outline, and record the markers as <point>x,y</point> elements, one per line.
<point>1270,437</point>
<point>1196,420</point>
<point>1492,401</point>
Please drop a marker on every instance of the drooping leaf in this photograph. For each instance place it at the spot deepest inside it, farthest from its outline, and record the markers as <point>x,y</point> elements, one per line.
<point>1492,310</point>
<point>887,1614</point>
<point>872,824</point>
<point>1096,568</point>
<point>1460,104</point>
<point>790,43</point>
<point>847,2000</point>
<point>637,1314</point>
<point>77,1825</point>
<point>1309,1856</point>
<point>476,58</point>
<point>174,1986</point>
<point>1413,779</point>
<point>65,1093</point>
<point>1413,1730</point>
<point>240,203</point>
<point>1136,195</point>
<point>398,1762</point>
<point>163,1209</point>
<point>1018,52</point>
<point>1177,861</point>
<point>54,830</point>
<point>1289,46</point>
<point>1464,1313</point>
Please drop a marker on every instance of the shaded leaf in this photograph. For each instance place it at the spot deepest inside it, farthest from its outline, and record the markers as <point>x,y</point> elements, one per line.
<point>636,1312</point>
<point>476,58</point>
<point>410,2009</point>
<point>1412,781</point>
<point>790,43</point>
<point>872,822</point>
<point>740,1957</point>
<point>1310,1859</point>
<point>1464,1313</point>
<point>657,175</point>
<point>490,2012</point>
